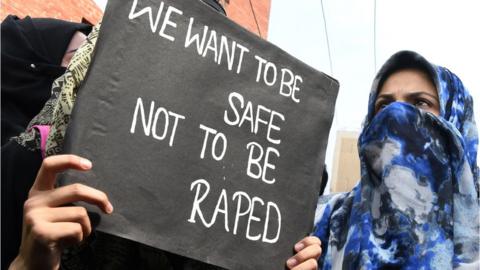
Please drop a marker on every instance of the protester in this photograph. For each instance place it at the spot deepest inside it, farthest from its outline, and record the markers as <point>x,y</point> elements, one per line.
<point>55,235</point>
<point>416,205</point>
<point>34,53</point>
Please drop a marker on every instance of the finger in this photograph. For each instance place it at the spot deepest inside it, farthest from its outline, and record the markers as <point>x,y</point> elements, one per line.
<point>55,164</point>
<point>68,214</point>
<point>76,193</point>
<point>307,241</point>
<point>310,252</point>
<point>308,265</point>
<point>59,234</point>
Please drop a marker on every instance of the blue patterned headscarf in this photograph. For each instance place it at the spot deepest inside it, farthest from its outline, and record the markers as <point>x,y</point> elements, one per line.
<point>416,205</point>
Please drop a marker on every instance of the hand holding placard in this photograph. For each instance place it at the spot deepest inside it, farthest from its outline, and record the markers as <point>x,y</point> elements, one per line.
<point>218,136</point>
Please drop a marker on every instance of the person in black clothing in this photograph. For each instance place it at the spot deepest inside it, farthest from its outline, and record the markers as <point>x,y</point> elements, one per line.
<point>34,53</point>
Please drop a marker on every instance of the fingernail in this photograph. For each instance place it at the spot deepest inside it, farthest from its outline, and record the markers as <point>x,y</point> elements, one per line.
<point>87,164</point>
<point>291,262</point>
<point>109,208</point>
<point>299,246</point>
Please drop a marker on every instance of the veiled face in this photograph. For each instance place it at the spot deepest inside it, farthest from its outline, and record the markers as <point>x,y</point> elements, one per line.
<point>411,86</point>
<point>77,40</point>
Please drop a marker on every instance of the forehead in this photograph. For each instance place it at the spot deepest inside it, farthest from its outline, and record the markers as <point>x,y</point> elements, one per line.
<point>408,80</point>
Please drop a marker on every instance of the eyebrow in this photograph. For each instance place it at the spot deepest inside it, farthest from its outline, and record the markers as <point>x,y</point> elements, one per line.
<point>384,96</point>
<point>413,94</point>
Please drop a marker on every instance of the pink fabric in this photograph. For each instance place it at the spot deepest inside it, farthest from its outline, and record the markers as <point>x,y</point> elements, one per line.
<point>44,130</point>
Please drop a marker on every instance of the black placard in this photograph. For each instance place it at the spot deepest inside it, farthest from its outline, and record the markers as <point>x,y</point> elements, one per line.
<point>208,140</point>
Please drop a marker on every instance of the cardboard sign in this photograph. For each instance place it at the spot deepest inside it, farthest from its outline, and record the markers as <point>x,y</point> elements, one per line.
<point>209,141</point>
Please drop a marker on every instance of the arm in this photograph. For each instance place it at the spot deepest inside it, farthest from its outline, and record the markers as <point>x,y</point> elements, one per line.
<point>48,226</point>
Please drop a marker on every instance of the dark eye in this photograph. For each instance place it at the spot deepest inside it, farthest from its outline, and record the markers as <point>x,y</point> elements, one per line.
<point>421,103</point>
<point>380,105</point>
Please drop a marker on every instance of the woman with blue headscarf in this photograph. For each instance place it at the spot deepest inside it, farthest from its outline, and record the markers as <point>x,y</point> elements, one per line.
<point>416,205</point>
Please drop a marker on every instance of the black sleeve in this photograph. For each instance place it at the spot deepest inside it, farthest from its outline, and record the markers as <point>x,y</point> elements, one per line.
<point>19,169</point>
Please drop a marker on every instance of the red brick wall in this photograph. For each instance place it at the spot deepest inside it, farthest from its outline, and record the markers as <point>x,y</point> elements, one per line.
<point>70,10</point>
<point>241,12</point>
